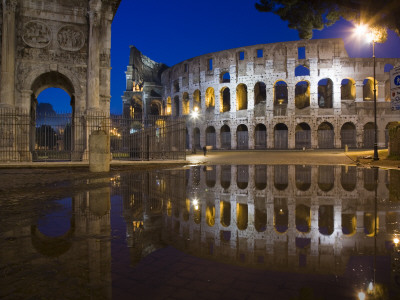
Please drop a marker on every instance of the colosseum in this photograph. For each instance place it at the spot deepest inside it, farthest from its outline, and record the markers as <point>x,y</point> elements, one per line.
<point>289,95</point>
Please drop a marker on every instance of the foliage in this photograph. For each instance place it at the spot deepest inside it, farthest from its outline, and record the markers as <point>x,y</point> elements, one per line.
<point>307,15</point>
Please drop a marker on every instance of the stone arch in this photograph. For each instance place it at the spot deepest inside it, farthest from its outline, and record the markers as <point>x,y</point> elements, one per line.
<point>301,70</point>
<point>368,89</point>
<point>281,177</point>
<point>326,136</point>
<point>303,177</point>
<point>281,136</point>
<point>210,98</point>
<point>281,215</point>
<point>260,136</point>
<point>225,176</point>
<point>326,219</point>
<point>388,68</point>
<point>303,136</point>
<point>211,175</point>
<point>211,139</point>
<point>303,218</point>
<point>225,137</point>
<point>326,178</point>
<point>348,178</point>
<point>260,93</point>
<point>168,106</point>
<point>325,93</point>
<point>242,135</point>
<point>177,106</point>
<point>155,107</point>
<point>210,215</point>
<point>260,177</point>
<point>348,135</point>
<point>225,212</point>
<point>369,135</point>
<point>185,104</point>
<point>197,99</point>
<point>226,99</point>
<point>302,94</point>
<point>225,77</point>
<point>260,215</point>
<point>280,92</point>
<point>242,180</point>
<point>196,138</point>
<point>369,224</point>
<point>348,89</point>
<point>241,97</point>
<point>349,224</point>
<point>242,216</point>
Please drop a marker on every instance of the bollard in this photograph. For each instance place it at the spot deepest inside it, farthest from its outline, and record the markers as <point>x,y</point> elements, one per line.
<point>346,148</point>
<point>99,151</point>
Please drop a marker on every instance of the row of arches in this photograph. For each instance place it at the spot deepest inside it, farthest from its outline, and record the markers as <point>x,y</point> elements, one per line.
<point>280,140</point>
<point>302,95</point>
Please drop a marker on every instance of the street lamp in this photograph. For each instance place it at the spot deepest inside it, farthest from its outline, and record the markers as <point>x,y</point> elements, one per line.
<point>371,37</point>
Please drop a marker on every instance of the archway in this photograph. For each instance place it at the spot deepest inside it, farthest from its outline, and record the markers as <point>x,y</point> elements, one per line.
<point>225,176</point>
<point>210,98</point>
<point>242,136</point>
<point>260,136</point>
<point>326,136</point>
<point>281,215</point>
<point>325,93</point>
<point>260,177</point>
<point>326,178</point>
<point>225,137</point>
<point>326,219</point>
<point>196,138</point>
<point>241,97</point>
<point>348,178</point>
<point>260,93</point>
<point>302,95</point>
<point>348,89</point>
<point>211,137</point>
<point>348,135</point>
<point>280,98</point>
<point>242,176</point>
<point>369,135</point>
<point>303,136</point>
<point>303,177</point>
<point>226,99</point>
<point>280,136</point>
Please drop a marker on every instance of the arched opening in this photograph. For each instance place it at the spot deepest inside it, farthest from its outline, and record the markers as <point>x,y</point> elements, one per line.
<point>53,135</point>
<point>302,95</point>
<point>388,68</point>
<point>369,135</point>
<point>185,104</point>
<point>387,91</point>
<point>280,98</point>
<point>210,215</point>
<point>225,137</point>
<point>281,178</point>
<point>176,106</point>
<point>326,219</point>
<point>369,224</point>
<point>197,214</point>
<point>225,77</point>
<point>348,89</point>
<point>241,97</point>
<point>155,108</point>
<point>370,179</point>
<point>348,178</point>
<point>281,215</point>
<point>168,107</point>
<point>225,176</point>
<point>196,138</point>
<point>242,176</point>
<point>242,216</point>
<point>225,212</point>
<point>210,98</point>
<point>303,218</point>
<point>242,136</point>
<point>280,136</point>
<point>326,178</point>
<point>260,214</point>
<point>186,210</point>
<point>211,176</point>
<point>211,139</point>
<point>392,221</point>
<point>197,100</point>
<point>226,99</point>
<point>348,135</point>
<point>303,177</point>
<point>326,136</point>
<point>260,137</point>
<point>260,93</point>
<point>325,93</point>
<point>301,71</point>
<point>176,86</point>
<point>349,223</point>
<point>368,89</point>
<point>260,177</point>
<point>303,136</point>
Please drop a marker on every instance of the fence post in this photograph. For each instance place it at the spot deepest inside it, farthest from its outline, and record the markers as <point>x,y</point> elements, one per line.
<point>148,146</point>
<point>99,151</point>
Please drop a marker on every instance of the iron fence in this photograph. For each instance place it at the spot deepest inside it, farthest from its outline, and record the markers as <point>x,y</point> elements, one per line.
<point>25,136</point>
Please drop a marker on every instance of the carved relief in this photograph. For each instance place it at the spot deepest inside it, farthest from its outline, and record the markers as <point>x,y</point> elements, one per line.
<point>70,38</point>
<point>36,34</point>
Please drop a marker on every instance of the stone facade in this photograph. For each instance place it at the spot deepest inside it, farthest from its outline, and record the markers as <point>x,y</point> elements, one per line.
<point>63,44</point>
<point>302,94</point>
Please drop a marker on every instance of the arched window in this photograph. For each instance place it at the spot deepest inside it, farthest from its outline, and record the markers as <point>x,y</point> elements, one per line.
<point>225,77</point>
<point>225,137</point>
<point>348,89</point>
<point>197,99</point>
<point>242,135</point>
<point>325,93</point>
<point>260,93</point>
<point>168,108</point>
<point>368,89</point>
<point>241,97</point>
<point>176,105</point>
<point>348,135</point>
<point>226,99</point>
<point>303,136</point>
<point>280,136</point>
<point>301,71</point>
<point>210,98</point>
<point>326,136</point>
<point>260,136</point>
<point>302,95</point>
<point>185,104</point>
<point>280,92</point>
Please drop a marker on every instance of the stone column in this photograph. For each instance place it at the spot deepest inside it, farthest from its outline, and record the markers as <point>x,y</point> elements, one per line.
<point>93,68</point>
<point>8,49</point>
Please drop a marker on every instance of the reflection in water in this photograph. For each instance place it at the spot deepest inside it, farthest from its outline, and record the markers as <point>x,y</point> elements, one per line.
<point>294,219</point>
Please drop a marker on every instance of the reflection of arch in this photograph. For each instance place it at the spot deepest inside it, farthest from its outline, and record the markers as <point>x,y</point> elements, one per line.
<point>225,176</point>
<point>241,97</point>
<point>260,136</point>
<point>348,178</point>
<point>225,137</point>
<point>226,99</point>
<point>242,136</point>
<point>325,93</point>
<point>211,139</point>
<point>349,223</point>
<point>303,177</point>
<point>260,93</point>
<point>303,136</point>
<point>303,218</point>
<point>370,179</point>
<point>369,224</point>
<point>211,176</point>
<point>260,219</point>
<point>325,219</point>
<point>326,178</point>
<point>348,135</point>
<point>348,89</point>
<point>260,177</point>
<point>302,94</point>
<point>281,215</point>
<point>242,176</point>
<point>242,216</point>
<point>210,98</point>
<point>326,136</point>
<point>210,215</point>
<point>186,211</point>
<point>281,180</point>
<point>225,209</point>
<point>280,136</point>
<point>369,135</point>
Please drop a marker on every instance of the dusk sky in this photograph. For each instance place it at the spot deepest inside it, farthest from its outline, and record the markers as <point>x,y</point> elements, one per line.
<point>175,30</point>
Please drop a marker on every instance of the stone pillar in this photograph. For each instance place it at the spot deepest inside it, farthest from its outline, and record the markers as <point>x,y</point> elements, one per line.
<point>8,49</point>
<point>93,68</point>
<point>99,151</point>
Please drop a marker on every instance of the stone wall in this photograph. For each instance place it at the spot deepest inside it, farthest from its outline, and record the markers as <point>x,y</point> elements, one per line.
<point>394,140</point>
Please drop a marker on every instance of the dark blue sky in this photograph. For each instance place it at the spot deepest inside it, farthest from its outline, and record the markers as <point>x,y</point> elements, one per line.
<point>175,30</point>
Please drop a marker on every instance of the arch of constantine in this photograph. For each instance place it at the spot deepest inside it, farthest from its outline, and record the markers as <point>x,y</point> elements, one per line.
<point>301,94</point>
<point>60,43</point>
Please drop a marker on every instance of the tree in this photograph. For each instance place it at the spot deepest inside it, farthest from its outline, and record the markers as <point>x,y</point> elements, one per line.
<point>307,15</point>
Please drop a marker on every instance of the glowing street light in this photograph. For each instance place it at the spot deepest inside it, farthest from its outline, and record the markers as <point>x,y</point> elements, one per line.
<point>195,112</point>
<point>363,30</point>
<point>361,296</point>
<point>396,241</point>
